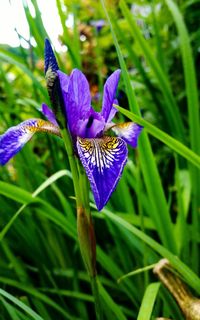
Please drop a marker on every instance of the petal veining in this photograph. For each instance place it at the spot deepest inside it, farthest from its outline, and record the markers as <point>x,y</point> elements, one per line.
<point>13,140</point>
<point>103,160</point>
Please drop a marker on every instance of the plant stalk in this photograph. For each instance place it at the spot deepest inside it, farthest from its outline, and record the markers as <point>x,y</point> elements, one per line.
<point>85,228</point>
<point>70,152</point>
<point>189,305</point>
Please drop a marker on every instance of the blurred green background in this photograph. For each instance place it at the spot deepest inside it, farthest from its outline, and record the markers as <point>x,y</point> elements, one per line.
<point>155,209</point>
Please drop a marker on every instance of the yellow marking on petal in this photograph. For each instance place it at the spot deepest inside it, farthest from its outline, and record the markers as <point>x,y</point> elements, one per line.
<point>124,124</point>
<point>100,153</point>
<point>43,126</point>
<point>86,144</point>
<point>124,129</point>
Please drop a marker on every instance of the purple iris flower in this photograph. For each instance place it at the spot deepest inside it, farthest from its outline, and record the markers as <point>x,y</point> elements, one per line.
<point>98,24</point>
<point>102,156</point>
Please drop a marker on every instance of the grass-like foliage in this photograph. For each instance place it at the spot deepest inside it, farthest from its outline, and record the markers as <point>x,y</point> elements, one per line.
<point>154,212</point>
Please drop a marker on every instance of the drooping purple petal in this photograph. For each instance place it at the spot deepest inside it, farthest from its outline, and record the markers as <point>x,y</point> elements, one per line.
<point>103,160</point>
<point>129,132</point>
<point>109,93</point>
<point>77,100</point>
<point>48,113</point>
<point>13,140</point>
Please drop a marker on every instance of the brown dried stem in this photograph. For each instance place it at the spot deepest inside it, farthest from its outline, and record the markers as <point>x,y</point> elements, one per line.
<point>189,305</point>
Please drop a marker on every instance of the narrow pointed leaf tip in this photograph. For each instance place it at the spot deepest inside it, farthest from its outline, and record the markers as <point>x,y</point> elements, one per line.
<point>50,59</point>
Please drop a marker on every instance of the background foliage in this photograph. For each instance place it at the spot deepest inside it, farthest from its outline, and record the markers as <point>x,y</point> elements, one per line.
<point>154,211</point>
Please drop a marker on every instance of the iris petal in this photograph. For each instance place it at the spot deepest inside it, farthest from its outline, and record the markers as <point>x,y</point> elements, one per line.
<point>128,131</point>
<point>113,111</point>
<point>103,160</point>
<point>48,113</point>
<point>77,100</point>
<point>64,81</point>
<point>13,140</point>
<point>109,93</point>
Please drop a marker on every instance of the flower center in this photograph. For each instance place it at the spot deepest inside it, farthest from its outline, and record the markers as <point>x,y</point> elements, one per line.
<point>90,121</point>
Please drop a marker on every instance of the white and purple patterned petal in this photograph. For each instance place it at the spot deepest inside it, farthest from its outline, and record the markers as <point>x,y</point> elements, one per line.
<point>109,93</point>
<point>103,160</point>
<point>48,113</point>
<point>13,140</point>
<point>129,132</point>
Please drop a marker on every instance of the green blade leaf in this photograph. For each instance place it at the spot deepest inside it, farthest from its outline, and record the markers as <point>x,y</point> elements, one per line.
<point>148,301</point>
<point>20,304</point>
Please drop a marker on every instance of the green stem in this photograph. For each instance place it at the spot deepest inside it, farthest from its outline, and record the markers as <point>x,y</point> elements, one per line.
<point>141,214</point>
<point>84,188</point>
<point>95,291</point>
<point>85,227</point>
<point>87,243</point>
<point>73,166</point>
<point>87,239</point>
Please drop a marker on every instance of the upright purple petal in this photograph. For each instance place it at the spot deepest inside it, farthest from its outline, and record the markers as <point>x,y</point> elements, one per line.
<point>77,100</point>
<point>112,113</point>
<point>64,81</point>
<point>63,89</point>
<point>103,160</point>
<point>129,132</point>
<point>79,92</point>
<point>13,140</point>
<point>109,93</point>
<point>48,113</point>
